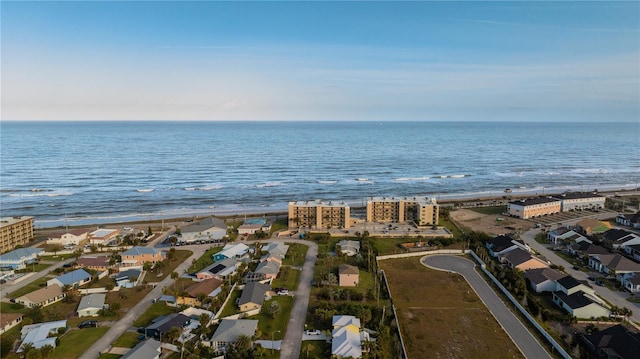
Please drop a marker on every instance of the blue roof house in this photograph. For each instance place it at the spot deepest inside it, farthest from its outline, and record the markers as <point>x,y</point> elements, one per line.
<point>19,258</point>
<point>75,279</point>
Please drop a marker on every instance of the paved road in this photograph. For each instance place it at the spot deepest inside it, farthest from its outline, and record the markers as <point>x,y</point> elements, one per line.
<point>11,287</point>
<point>520,335</point>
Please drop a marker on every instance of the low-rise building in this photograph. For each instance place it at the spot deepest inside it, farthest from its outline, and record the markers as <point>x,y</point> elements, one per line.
<point>345,337</point>
<point>42,297</point>
<point>161,325</point>
<point>543,279</point>
<point>103,237</point>
<point>619,238</point>
<point>96,263</point>
<point>631,281</point>
<point>235,251</point>
<point>209,287</point>
<point>15,231</point>
<point>229,330</point>
<point>20,258</point>
<point>634,251</point>
<point>565,235</point>
<point>629,220</point>
<point>348,276</point>
<point>533,207</point>
<point>252,225</point>
<point>91,305</point>
<point>572,201</point>
<point>502,244</point>
<point>616,342</point>
<point>147,349</point>
<point>221,269</point>
<point>41,334</point>
<point>207,229</point>
<point>276,249</point>
<point>613,264</point>
<point>252,296</point>
<point>591,226</point>
<point>269,268</point>
<point>74,279</point>
<point>73,237</point>
<point>9,320</point>
<point>128,278</point>
<point>522,260</point>
<point>578,299</point>
<point>137,256</point>
<point>348,248</point>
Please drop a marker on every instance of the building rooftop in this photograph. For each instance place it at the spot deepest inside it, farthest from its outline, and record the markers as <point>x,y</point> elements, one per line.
<point>540,275</point>
<point>206,286</point>
<point>43,294</point>
<point>416,199</point>
<point>37,334</point>
<point>517,256</point>
<point>147,349</point>
<point>7,221</point>
<point>534,201</point>
<point>203,225</point>
<point>138,250</point>
<point>576,300</point>
<point>229,330</point>
<point>103,233</point>
<point>319,202</point>
<point>6,318</point>
<point>616,341</point>
<point>253,292</point>
<point>568,282</point>
<point>18,254</point>
<point>577,195</point>
<point>75,276</point>
<point>348,269</point>
<point>95,300</point>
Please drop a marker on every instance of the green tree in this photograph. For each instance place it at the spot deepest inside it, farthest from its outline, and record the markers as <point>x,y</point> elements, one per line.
<point>173,334</point>
<point>273,309</point>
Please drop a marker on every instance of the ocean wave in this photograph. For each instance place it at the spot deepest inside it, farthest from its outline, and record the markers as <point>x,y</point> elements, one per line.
<point>270,184</point>
<point>208,188</point>
<point>410,179</point>
<point>145,190</point>
<point>43,194</point>
<point>327,182</point>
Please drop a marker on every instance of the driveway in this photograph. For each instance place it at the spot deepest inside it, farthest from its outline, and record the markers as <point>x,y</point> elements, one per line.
<point>520,335</point>
<point>11,287</point>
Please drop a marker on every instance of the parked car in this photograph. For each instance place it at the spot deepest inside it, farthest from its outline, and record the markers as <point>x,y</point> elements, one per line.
<point>312,332</point>
<point>88,324</point>
<point>282,291</point>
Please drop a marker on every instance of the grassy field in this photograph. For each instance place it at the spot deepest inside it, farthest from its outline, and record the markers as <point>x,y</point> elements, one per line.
<point>231,308</point>
<point>126,340</point>
<point>35,268</point>
<point>76,342</point>
<point>58,257</point>
<point>169,266</point>
<point>498,210</point>
<point>287,278</point>
<point>295,255</point>
<point>154,311</point>
<point>11,308</point>
<point>109,356</point>
<point>29,287</point>
<point>390,245</point>
<point>315,349</point>
<point>443,316</point>
<point>128,297</point>
<point>268,325</point>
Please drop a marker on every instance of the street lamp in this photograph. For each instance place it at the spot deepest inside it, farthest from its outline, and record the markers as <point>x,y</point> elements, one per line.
<point>272,344</point>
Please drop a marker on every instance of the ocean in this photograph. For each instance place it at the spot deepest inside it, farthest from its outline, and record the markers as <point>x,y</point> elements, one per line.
<point>100,172</point>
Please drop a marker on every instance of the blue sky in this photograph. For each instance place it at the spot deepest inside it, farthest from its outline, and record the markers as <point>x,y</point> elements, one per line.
<point>436,61</point>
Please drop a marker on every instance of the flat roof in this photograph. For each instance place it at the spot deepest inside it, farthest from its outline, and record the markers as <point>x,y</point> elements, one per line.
<point>319,202</point>
<point>101,233</point>
<point>7,221</point>
<point>534,201</point>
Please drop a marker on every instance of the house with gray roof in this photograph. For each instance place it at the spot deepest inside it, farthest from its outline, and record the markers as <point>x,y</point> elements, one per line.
<point>207,229</point>
<point>129,278</point>
<point>252,296</point>
<point>163,324</point>
<point>42,297</point>
<point>270,269</point>
<point>629,220</point>
<point>40,334</point>
<point>90,305</point>
<point>75,279</point>
<point>276,249</point>
<point>146,349</point>
<point>348,248</point>
<point>19,258</point>
<point>616,342</point>
<point>578,299</point>
<point>220,270</point>
<point>229,330</point>
<point>543,279</point>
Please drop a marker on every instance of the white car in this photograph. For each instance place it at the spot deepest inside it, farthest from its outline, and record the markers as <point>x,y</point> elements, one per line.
<point>312,332</point>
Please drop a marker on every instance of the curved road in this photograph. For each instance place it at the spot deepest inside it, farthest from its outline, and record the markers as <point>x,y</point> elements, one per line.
<point>520,335</point>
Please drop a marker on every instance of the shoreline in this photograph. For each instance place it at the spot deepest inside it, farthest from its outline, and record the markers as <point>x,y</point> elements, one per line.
<point>281,209</point>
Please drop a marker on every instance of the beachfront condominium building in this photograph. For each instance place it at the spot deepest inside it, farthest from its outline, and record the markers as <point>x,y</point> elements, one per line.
<point>319,214</point>
<point>533,207</point>
<point>15,231</point>
<point>580,200</point>
<point>423,211</point>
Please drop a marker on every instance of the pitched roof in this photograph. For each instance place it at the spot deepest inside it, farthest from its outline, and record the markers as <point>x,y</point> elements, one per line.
<point>206,287</point>
<point>129,274</point>
<point>99,261</point>
<point>348,269</point>
<point>17,254</point>
<point>568,282</point>
<point>37,334</point>
<point>172,320</point>
<point>203,225</point>
<point>617,340</point>
<point>345,340</point>
<point>6,318</point>
<point>574,301</point>
<point>147,349</point>
<point>219,266</point>
<point>253,292</point>
<point>268,267</point>
<point>540,275</point>
<point>139,250</point>
<point>229,330</point>
<point>232,250</point>
<point>618,262</point>
<point>42,294</point>
<point>500,243</point>
<point>75,276</point>
<point>517,256</point>
<point>615,234</point>
<point>95,300</point>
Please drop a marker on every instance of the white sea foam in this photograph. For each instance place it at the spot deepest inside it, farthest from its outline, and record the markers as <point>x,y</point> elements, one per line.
<point>43,194</point>
<point>328,182</point>
<point>270,184</point>
<point>145,190</point>
<point>408,179</point>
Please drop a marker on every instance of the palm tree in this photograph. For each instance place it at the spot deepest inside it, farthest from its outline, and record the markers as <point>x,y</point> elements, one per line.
<point>173,334</point>
<point>174,276</point>
<point>243,343</point>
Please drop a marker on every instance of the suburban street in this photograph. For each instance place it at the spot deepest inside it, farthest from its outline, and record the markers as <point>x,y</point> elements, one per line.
<point>11,287</point>
<point>520,335</point>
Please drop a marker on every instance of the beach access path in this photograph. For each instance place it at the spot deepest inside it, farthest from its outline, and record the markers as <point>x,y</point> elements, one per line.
<point>521,336</point>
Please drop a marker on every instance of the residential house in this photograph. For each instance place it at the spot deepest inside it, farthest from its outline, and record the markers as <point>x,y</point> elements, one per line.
<point>19,258</point>
<point>591,226</point>
<point>41,334</point>
<point>252,225</point>
<point>91,305</point>
<point>252,296</point>
<point>73,237</point>
<point>619,238</point>
<point>565,235</point>
<point>97,263</point>
<point>615,342</point>
<point>572,201</point>
<point>345,337</point>
<point>584,249</point>
<point>522,260</point>
<point>103,237</point>
<point>502,244</point>
<point>631,282</point>
<point>147,349</point>
<point>129,278</point>
<point>533,207</point>
<point>543,279</point>
<point>236,251</point>
<point>195,313</point>
<point>629,220</point>
<point>9,320</point>
<point>348,248</point>
<point>269,268</point>
<point>207,229</point>
<point>42,297</point>
<point>137,256</point>
<point>75,279</point>
<point>348,276</point>
<point>613,264</point>
<point>633,250</point>
<point>578,299</point>
<point>163,324</point>
<point>221,270</point>
<point>276,249</point>
<point>210,287</point>
<point>229,330</point>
